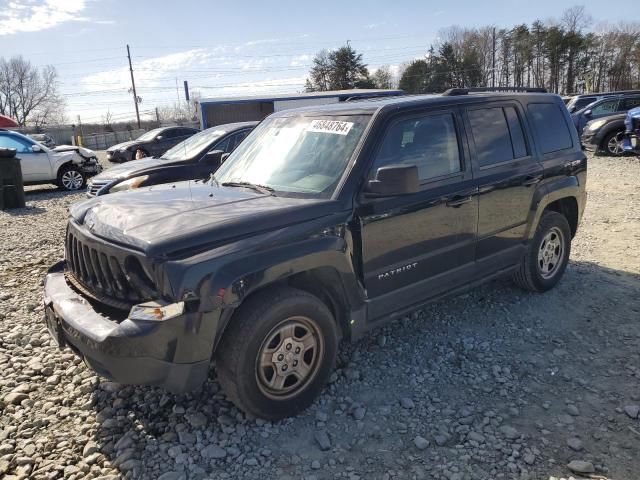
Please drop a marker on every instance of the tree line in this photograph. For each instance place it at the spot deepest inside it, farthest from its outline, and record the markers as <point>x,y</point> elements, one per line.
<point>563,56</point>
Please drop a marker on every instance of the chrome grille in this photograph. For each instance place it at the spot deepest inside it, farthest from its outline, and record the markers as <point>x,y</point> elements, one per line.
<point>95,185</point>
<point>104,277</point>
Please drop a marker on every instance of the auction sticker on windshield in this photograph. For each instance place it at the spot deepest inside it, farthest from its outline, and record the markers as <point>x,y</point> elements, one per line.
<point>330,126</point>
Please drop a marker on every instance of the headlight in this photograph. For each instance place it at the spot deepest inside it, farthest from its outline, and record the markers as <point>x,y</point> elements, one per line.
<point>596,124</point>
<point>134,182</point>
<point>155,311</point>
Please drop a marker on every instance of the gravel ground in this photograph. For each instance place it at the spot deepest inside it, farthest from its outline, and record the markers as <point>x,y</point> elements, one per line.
<point>494,384</point>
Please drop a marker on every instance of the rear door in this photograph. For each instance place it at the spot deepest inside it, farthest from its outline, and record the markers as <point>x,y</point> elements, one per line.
<point>627,103</point>
<point>417,246</point>
<point>506,170</point>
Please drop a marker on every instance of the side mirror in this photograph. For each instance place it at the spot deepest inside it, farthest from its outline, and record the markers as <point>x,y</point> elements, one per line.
<point>36,148</point>
<point>587,113</point>
<point>213,156</point>
<point>394,180</point>
<point>224,157</point>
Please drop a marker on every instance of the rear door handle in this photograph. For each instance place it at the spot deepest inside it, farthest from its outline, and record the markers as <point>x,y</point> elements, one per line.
<point>458,201</point>
<point>532,180</point>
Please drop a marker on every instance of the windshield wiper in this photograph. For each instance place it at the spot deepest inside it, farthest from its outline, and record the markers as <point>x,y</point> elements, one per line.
<point>254,186</point>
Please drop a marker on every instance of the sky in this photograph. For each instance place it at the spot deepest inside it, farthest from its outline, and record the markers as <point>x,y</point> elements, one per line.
<point>229,48</point>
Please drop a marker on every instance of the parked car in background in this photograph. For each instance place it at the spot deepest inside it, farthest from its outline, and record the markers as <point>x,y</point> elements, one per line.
<point>325,223</point>
<point>578,102</point>
<point>66,166</point>
<point>603,108</point>
<point>196,157</point>
<point>43,139</point>
<point>631,139</point>
<point>605,135</point>
<point>152,143</point>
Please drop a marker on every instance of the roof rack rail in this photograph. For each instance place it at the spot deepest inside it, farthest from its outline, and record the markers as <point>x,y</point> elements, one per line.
<point>467,91</point>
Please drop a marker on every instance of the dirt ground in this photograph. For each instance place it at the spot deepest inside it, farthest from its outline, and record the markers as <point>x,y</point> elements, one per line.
<point>495,384</point>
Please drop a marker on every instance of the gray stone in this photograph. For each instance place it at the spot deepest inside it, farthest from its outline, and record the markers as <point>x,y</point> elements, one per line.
<point>15,398</point>
<point>214,451</point>
<point>581,466</point>
<point>197,419</point>
<point>407,403</point>
<point>315,465</point>
<point>476,437</point>
<point>575,444</point>
<point>89,448</point>
<point>420,442</point>
<point>441,439</point>
<point>632,411</point>
<point>529,458</point>
<point>359,413</point>
<point>172,476</point>
<point>322,437</point>
<point>509,432</point>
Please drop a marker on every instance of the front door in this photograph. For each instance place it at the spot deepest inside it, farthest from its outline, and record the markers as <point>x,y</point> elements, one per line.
<point>419,245</point>
<point>35,165</point>
<point>507,173</point>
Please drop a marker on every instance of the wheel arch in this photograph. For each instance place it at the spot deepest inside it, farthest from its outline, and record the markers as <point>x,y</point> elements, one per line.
<point>565,196</point>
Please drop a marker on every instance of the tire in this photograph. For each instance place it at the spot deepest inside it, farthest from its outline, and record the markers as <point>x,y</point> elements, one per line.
<point>71,178</point>
<point>547,255</point>
<point>612,144</point>
<point>261,329</point>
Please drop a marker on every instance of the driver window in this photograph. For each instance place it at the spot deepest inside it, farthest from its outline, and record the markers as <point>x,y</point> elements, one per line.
<point>19,145</point>
<point>429,142</point>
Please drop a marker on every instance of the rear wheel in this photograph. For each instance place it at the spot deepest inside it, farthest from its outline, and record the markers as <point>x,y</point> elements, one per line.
<point>277,353</point>
<point>612,144</point>
<point>547,256</point>
<point>71,178</point>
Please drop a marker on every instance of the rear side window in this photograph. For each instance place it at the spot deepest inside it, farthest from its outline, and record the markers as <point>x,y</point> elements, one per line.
<point>497,134</point>
<point>551,127</point>
<point>629,103</point>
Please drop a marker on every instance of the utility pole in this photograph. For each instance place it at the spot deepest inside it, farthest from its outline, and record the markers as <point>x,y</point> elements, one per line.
<point>133,87</point>
<point>493,59</point>
<point>157,116</point>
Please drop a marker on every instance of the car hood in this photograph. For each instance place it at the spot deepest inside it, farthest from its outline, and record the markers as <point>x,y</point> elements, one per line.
<point>125,170</point>
<point>122,145</point>
<point>164,219</point>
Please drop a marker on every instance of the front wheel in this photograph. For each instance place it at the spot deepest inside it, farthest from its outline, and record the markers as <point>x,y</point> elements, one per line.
<point>277,353</point>
<point>71,178</point>
<point>547,256</point>
<point>612,144</point>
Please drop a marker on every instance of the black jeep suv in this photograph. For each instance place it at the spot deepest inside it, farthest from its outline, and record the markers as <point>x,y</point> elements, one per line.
<point>324,223</point>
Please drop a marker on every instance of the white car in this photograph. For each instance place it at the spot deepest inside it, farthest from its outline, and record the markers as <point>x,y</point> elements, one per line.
<point>66,166</point>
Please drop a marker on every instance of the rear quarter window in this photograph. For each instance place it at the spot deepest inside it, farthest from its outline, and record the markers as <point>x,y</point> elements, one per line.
<point>552,130</point>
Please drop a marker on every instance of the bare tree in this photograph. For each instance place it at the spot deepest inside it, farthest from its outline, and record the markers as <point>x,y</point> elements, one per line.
<point>383,78</point>
<point>29,95</point>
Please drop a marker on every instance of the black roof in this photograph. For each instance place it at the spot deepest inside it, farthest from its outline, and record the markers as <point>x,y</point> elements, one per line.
<point>372,105</point>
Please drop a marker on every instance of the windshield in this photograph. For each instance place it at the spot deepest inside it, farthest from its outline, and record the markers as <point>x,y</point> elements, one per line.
<point>296,155</point>
<point>150,135</point>
<point>193,145</point>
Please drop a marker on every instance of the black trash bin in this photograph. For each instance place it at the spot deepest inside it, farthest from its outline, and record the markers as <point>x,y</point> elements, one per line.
<point>11,186</point>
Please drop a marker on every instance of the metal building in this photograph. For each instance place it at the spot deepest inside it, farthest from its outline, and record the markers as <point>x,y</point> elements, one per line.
<point>216,111</point>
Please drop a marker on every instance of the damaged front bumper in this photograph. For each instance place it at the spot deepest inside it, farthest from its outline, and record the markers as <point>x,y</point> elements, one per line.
<point>173,353</point>
<point>91,167</point>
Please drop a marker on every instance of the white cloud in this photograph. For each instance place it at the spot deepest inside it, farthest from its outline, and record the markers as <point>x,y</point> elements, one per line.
<point>36,15</point>
<point>373,26</point>
<point>279,85</point>
<point>148,72</point>
<point>300,60</point>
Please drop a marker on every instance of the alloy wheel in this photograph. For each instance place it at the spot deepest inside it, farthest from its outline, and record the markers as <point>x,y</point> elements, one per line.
<point>72,180</point>
<point>614,145</point>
